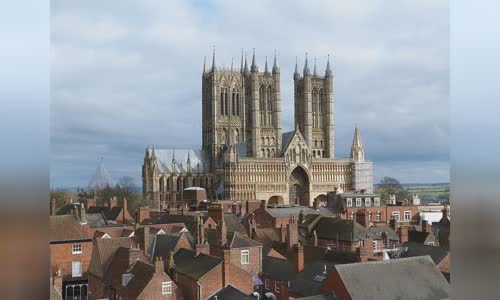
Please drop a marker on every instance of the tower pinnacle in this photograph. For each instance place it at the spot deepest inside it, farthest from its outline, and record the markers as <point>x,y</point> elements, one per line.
<point>307,71</point>
<point>204,64</point>
<point>241,66</point>
<point>276,69</point>
<point>328,71</point>
<point>314,71</point>
<point>246,65</point>
<point>254,67</point>
<point>357,148</point>
<point>266,70</point>
<point>296,74</point>
<point>213,61</point>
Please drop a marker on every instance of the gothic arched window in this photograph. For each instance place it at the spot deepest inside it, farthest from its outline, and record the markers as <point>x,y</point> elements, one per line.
<point>238,104</point>
<point>233,105</point>
<point>222,102</point>
<point>226,103</point>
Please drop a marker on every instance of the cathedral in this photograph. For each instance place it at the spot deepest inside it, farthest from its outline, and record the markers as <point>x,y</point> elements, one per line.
<point>245,154</point>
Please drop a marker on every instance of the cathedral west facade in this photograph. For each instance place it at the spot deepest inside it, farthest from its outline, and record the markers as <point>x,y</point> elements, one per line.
<point>245,154</point>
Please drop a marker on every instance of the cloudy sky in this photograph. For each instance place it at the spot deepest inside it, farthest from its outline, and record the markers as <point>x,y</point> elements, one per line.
<point>127,74</point>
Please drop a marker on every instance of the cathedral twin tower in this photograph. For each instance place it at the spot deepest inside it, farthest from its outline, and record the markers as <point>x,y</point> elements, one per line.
<point>244,107</point>
<point>246,156</point>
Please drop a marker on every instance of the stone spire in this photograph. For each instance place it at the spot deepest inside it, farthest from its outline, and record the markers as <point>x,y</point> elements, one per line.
<point>246,65</point>
<point>307,71</point>
<point>254,67</point>
<point>213,61</point>
<point>241,65</point>
<point>153,156</point>
<point>231,64</point>
<point>188,163</point>
<point>328,71</point>
<point>173,161</point>
<point>296,74</point>
<point>276,69</point>
<point>357,149</point>
<point>204,65</point>
<point>315,74</point>
<point>266,70</point>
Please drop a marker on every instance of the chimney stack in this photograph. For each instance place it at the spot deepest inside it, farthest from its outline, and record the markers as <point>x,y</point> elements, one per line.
<point>403,234</point>
<point>226,273</point>
<point>425,225</point>
<point>263,204</point>
<point>283,294</point>
<point>364,251</point>
<point>170,263</point>
<point>299,257</point>
<point>292,232</point>
<point>112,202</point>
<point>215,212</point>
<point>82,214</point>
<point>221,231</point>
<point>159,265</point>
<point>124,210</point>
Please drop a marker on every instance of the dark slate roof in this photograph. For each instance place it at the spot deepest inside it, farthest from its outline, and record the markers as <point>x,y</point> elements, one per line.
<point>413,249</point>
<point>230,293</point>
<point>110,214</point>
<point>164,243</point>
<point>67,209</point>
<point>332,228</point>
<point>233,223</point>
<point>417,236</point>
<point>287,211</point>
<point>319,297</point>
<point>312,253</point>
<point>66,228</point>
<point>97,220</point>
<point>404,278</point>
<point>194,266</point>
<point>378,230</point>
<point>286,138</point>
<point>239,240</point>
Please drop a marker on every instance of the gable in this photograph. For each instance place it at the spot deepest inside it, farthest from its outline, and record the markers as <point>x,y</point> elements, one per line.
<point>295,141</point>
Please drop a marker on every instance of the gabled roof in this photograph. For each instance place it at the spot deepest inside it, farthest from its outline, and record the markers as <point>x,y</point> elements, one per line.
<point>404,278</point>
<point>418,236</point>
<point>120,264</point>
<point>164,243</point>
<point>229,292</point>
<point>109,213</point>
<point>239,240</point>
<point>288,137</point>
<point>233,223</point>
<point>66,228</point>
<point>378,230</point>
<point>104,250</point>
<point>186,262</point>
<point>415,249</point>
<point>335,228</point>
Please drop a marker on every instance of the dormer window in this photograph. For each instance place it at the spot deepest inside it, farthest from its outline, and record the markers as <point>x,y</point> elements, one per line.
<point>349,202</point>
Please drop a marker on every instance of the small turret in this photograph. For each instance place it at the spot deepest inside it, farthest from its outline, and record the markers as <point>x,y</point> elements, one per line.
<point>307,71</point>
<point>315,74</point>
<point>254,68</point>
<point>241,65</point>
<point>357,149</point>
<point>174,163</point>
<point>153,155</point>
<point>188,162</point>
<point>213,61</point>
<point>328,71</point>
<point>245,71</point>
<point>204,65</point>
<point>266,70</point>
<point>276,68</point>
<point>296,74</point>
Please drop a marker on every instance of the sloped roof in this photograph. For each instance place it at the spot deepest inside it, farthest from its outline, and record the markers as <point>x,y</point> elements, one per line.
<point>164,158</point>
<point>404,278</point>
<point>378,230</point>
<point>413,249</point>
<point>109,213</point>
<point>66,228</point>
<point>286,138</point>
<point>333,228</point>
<point>417,236</point>
<point>319,297</point>
<point>233,223</point>
<point>164,243</point>
<point>194,266</point>
<point>229,292</point>
<point>239,240</point>
<point>103,252</point>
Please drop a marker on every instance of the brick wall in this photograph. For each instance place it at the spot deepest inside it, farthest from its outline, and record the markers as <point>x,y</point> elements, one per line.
<point>154,289</point>
<point>255,259</point>
<point>61,257</point>
<point>333,283</point>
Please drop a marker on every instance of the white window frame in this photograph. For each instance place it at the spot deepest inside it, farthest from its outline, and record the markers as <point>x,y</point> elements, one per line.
<point>126,278</point>
<point>430,244</point>
<point>245,253</point>
<point>396,213</point>
<point>358,202</point>
<point>277,286</point>
<point>77,248</point>
<point>374,244</point>
<point>266,284</point>
<point>349,202</point>
<point>368,202</point>
<point>166,288</point>
<point>376,201</point>
<point>379,216</point>
<point>76,268</point>
<point>369,216</point>
<point>407,212</point>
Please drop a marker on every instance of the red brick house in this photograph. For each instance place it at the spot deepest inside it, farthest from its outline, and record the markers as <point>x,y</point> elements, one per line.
<point>70,253</point>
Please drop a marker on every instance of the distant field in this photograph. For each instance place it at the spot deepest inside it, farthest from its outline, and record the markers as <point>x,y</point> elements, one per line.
<point>430,192</point>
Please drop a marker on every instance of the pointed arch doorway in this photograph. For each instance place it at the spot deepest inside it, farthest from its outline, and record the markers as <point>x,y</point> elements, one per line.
<point>299,187</point>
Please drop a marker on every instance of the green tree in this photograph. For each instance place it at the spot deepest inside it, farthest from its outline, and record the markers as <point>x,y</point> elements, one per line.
<point>388,186</point>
